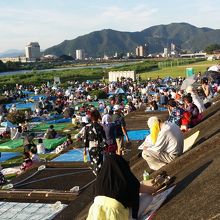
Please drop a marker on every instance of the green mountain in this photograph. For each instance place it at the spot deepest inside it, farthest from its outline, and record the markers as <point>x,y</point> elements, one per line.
<point>98,43</point>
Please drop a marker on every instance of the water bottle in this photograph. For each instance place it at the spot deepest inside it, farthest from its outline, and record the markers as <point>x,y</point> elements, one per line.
<point>146,175</point>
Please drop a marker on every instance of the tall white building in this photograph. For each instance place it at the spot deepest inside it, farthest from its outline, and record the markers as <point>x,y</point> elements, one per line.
<point>141,51</point>
<point>32,51</point>
<point>80,54</point>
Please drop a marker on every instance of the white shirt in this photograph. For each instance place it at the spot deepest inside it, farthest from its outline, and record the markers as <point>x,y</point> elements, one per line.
<point>169,140</point>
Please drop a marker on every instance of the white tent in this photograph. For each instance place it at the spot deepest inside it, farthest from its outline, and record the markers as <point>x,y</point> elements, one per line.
<point>215,68</point>
<point>119,91</point>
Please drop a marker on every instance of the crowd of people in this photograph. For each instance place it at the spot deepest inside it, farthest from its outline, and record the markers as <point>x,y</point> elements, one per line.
<point>102,130</point>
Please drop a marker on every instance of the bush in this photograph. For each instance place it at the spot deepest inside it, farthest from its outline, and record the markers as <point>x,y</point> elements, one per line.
<point>100,94</point>
<point>16,117</point>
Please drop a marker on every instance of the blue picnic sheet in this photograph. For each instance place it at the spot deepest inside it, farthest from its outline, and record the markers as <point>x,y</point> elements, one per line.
<point>136,135</point>
<point>22,105</point>
<point>61,120</point>
<point>8,155</point>
<point>34,97</point>
<point>71,156</point>
<point>51,117</point>
<point>159,109</point>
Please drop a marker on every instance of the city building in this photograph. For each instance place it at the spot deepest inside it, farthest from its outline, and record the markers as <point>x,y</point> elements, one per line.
<point>166,52</point>
<point>80,54</point>
<point>14,59</point>
<point>141,51</point>
<point>172,47</point>
<point>32,51</point>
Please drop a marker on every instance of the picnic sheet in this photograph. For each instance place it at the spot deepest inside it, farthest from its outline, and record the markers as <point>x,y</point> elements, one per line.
<point>136,135</point>
<point>8,155</point>
<point>61,120</point>
<point>51,144</point>
<point>71,156</point>
<point>12,144</point>
<point>44,127</point>
<point>22,105</point>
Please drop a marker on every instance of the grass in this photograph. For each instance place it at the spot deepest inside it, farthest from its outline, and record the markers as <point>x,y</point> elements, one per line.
<point>177,71</point>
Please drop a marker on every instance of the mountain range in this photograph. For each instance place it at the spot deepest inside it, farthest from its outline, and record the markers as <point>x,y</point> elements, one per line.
<point>12,53</point>
<point>107,41</point>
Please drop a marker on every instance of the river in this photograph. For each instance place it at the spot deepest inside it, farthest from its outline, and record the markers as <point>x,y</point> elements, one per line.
<point>66,68</point>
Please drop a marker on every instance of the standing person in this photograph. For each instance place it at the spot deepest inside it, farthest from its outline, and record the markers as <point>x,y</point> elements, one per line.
<point>120,129</point>
<point>94,140</point>
<point>207,89</point>
<point>168,144</point>
<point>109,128</point>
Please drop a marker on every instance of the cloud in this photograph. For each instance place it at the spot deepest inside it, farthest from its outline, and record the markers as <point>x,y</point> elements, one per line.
<point>132,19</point>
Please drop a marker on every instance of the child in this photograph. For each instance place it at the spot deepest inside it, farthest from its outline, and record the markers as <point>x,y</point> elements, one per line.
<point>40,147</point>
<point>33,155</point>
<point>27,162</point>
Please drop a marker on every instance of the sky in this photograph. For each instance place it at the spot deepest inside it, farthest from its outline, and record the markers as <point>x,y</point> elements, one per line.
<point>50,22</point>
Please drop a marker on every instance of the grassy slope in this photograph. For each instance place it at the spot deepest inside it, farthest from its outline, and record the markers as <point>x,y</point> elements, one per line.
<point>179,70</point>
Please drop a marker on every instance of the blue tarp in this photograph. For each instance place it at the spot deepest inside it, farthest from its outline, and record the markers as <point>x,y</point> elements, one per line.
<point>22,105</point>
<point>8,155</point>
<point>137,135</point>
<point>71,156</point>
<point>159,109</point>
<point>61,120</point>
<point>27,92</point>
<point>35,97</point>
<point>51,117</point>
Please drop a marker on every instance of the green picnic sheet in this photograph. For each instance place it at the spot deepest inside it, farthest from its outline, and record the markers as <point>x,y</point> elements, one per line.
<point>51,144</point>
<point>44,127</point>
<point>12,144</point>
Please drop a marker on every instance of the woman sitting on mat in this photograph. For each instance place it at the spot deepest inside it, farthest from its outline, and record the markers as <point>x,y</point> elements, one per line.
<point>117,190</point>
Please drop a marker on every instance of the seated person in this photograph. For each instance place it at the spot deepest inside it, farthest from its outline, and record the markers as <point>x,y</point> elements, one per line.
<point>40,147</point>
<point>2,179</point>
<point>16,133</point>
<point>50,133</point>
<point>75,121</point>
<point>33,155</point>
<point>27,162</point>
<point>168,145</point>
<point>117,190</point>
<point>195,116</point>
<point>175,112</point>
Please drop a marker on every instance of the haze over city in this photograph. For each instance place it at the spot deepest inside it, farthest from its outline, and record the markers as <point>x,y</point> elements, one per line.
<point>52,21</point>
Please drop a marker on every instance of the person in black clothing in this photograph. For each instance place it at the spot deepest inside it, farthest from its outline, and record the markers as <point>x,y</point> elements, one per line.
<point>94,140</point>
<point>120,129</point>
<point>29,143</point>
<point>117,190</point>
<point>50,133</point>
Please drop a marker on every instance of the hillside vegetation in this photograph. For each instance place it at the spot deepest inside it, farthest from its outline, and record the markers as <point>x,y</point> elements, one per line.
<point>98,43</point>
